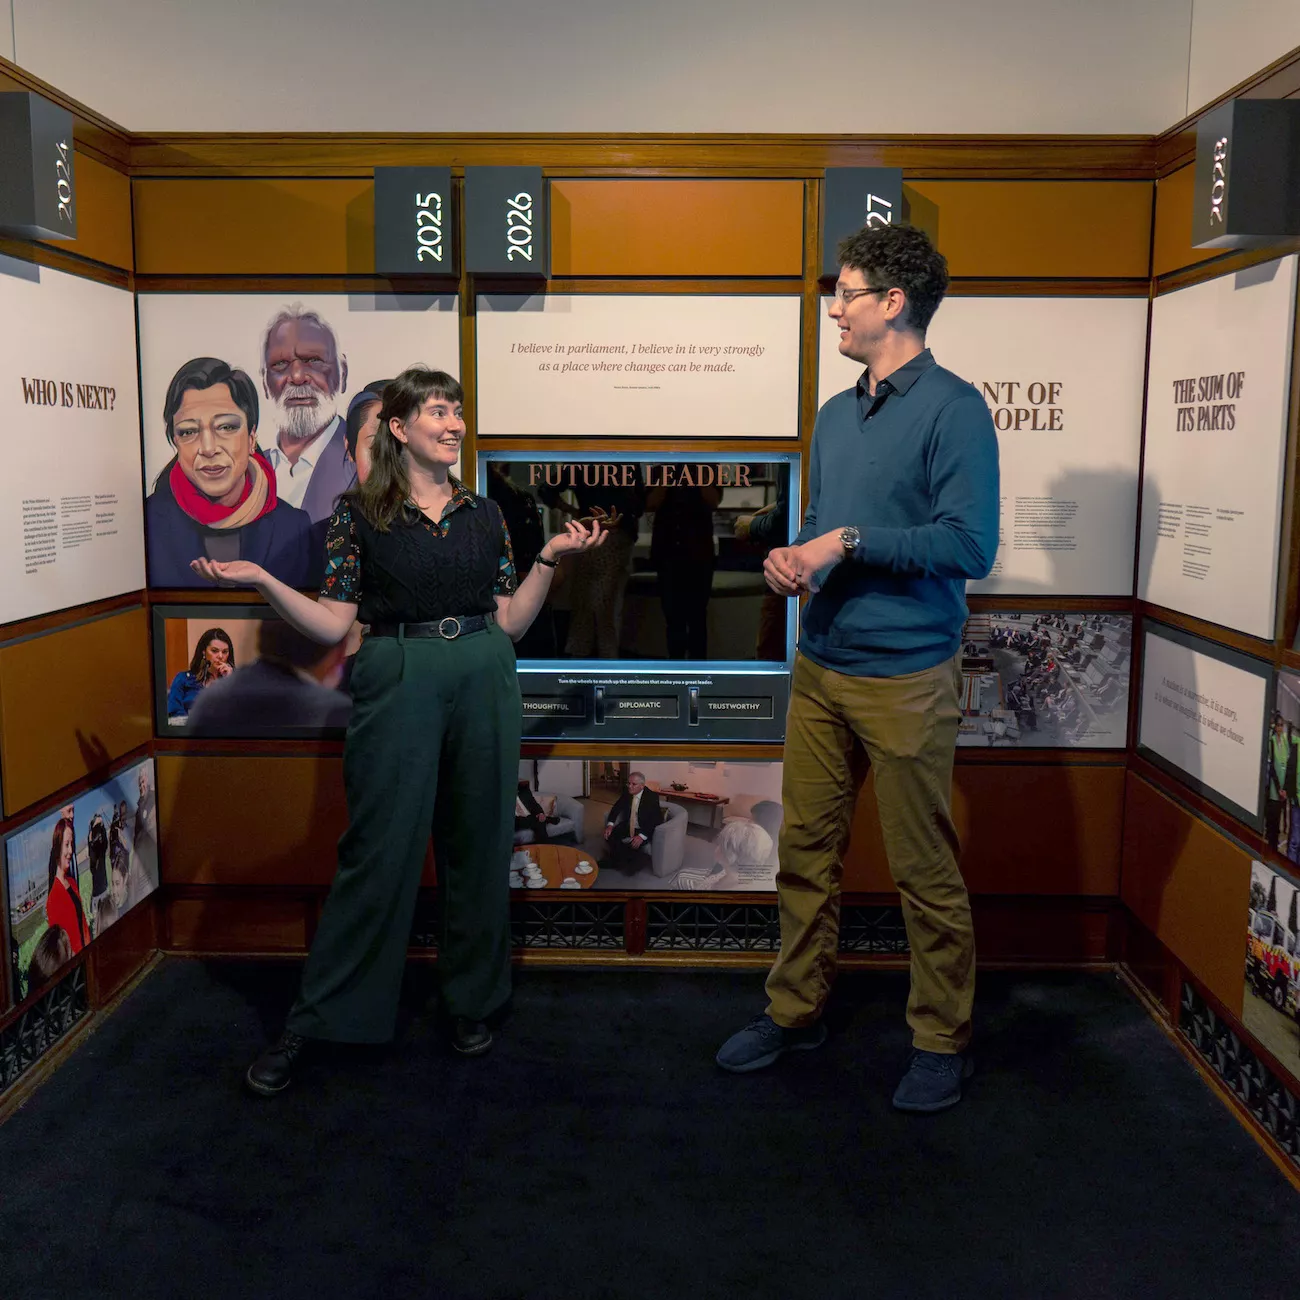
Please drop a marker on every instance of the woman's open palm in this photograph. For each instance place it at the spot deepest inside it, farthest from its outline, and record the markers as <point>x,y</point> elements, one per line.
<point>243,573</point>
<point>577,537</point>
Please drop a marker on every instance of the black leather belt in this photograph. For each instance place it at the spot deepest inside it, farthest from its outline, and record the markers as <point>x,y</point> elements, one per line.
<point>447,628</point>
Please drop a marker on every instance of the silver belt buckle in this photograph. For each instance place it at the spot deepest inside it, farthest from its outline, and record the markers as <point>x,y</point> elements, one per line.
<point>449,636</point>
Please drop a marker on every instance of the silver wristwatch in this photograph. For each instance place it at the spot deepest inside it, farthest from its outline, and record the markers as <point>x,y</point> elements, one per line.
<point>849,539</point>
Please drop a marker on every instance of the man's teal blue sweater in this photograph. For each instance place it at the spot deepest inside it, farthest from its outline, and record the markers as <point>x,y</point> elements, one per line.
<point>915,468</point>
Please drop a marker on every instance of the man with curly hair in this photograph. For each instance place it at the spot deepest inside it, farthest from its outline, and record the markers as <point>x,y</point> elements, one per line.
<point>902,509</point>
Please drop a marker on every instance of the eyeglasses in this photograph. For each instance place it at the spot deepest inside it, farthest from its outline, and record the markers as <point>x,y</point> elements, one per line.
<point>845,296</point>
<point>227,432</point>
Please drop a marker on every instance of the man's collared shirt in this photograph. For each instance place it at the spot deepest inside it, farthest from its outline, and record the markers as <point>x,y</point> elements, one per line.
<point>896,382</point>
<point>292,478</point>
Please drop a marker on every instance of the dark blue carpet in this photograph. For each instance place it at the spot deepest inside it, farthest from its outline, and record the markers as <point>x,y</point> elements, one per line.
<point>597,1151</point>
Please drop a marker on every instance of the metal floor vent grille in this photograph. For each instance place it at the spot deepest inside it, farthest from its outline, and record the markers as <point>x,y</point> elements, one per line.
<point>712,927</point>
<point>579,925</point>
<point>873,929</point>
<point>1252,1082</point>
<point>24,1042</point>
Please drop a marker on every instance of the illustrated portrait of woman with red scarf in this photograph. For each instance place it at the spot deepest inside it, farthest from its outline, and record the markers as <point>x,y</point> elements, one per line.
<point>216,497</point>
<point>63,901</point>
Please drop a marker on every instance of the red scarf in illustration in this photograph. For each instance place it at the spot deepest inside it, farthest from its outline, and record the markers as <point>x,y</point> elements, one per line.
<point>257,499</point>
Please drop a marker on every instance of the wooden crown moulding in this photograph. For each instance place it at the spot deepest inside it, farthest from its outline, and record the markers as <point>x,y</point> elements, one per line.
<point>1176,147</point>
<point>1105,157</point>
<point>93,134</point>
<point>959,286</point>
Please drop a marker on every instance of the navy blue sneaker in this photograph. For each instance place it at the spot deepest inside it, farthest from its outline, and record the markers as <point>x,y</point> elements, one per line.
<point>763,1040</point>
<point>933,1081</point>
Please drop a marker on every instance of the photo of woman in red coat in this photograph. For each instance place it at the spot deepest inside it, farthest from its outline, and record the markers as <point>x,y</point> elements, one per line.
<point>63,902</point>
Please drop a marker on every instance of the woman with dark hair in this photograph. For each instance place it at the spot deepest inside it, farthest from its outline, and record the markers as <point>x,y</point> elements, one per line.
<point>213,659</point>
<point>63,899</point>
<point>216,496</point>
<point>362,424</point>
<point>433,741</point>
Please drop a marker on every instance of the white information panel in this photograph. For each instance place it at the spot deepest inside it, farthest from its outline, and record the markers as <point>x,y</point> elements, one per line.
<point>364,338</point>
<point>1202,713</point>
<point>73,528</point>
<point>643,366</point>
<point>1063,380</point>
<point>1217,394</point>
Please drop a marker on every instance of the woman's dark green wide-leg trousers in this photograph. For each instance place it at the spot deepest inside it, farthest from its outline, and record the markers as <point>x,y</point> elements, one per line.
<point>433,744</point>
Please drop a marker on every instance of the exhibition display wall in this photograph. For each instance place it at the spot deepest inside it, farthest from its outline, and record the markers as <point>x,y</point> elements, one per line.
<point>75,724</point>
<point>1062,378</point>
<point>1120,666</point>
<point>698,349</point>
<point>71,496</point>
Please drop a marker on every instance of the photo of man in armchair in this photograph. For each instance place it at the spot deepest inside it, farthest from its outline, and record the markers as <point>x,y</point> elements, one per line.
<point>673,825</point>
<point>546,818</point>
<point>631,823</point>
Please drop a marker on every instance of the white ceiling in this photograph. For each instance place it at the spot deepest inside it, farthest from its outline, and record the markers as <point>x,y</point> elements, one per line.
<point>822,66</point>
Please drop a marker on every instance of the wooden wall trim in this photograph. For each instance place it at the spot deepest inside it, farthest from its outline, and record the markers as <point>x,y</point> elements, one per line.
<point>1176,147</point>
<point>1247,644</point>
<point>72,617</point>
<point>959,286</point>
<point>1039,157</point>
<point>1188,881</point>
<point>94,133</point>
<point>1203,809</point>
<point>72,263</point>
<point>275,923</point>
<point>1225,263</point>
<point>73,790</point>
<point>59,723</point>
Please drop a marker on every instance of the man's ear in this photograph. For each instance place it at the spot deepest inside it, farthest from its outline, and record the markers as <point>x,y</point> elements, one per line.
<point>343,374</point>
